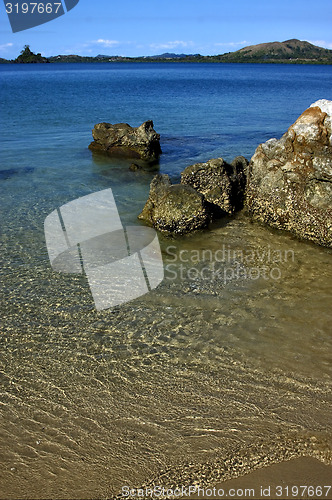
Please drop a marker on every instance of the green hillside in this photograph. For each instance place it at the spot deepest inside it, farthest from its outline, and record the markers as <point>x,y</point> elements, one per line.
<point>290,51</point>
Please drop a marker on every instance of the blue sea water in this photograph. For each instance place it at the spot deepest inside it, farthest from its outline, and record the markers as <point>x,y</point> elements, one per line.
<point>200,110</point>
<point>113,396</point>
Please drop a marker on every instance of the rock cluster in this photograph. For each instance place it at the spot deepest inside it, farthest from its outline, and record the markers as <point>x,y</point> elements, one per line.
<point>121,139</point>
<point>206,190</point>
<point>290,180</point>
<point>288,183</point>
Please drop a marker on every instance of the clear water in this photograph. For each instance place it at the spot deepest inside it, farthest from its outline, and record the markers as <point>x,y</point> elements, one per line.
<point>205,367</point>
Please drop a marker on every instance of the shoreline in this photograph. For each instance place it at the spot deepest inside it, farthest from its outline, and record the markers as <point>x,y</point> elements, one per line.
<point>293,460</point>
<point>173,61</point>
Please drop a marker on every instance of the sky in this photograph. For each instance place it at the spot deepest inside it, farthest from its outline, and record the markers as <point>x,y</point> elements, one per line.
<point>150,27</point>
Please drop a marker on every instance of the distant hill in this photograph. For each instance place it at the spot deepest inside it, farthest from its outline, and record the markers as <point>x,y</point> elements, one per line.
<point>73,58</point>
<point>167,56</point>
<point>290,51</point>
<point>171,55</point>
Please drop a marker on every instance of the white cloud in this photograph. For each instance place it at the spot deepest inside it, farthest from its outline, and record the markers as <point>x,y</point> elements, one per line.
<point>321,43</point>
<point>106,43</point>
<point>5,46</point>
<point>171,45</point>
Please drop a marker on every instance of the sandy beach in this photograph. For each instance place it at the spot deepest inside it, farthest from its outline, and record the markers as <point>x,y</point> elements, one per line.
<point>300,478</point>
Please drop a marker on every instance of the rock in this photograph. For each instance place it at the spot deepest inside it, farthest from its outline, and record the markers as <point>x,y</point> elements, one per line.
<point>134,167</point>
<point>290,180</point>
<point>222,184</point>
<point>174,208</point>
<point>123,140</point>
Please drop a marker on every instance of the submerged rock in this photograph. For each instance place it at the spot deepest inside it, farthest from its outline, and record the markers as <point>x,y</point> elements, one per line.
<point>174,208</point>
<point>222,184</point>
<point>123,140</point>
<point>134,167</point>
<point>290,180</point>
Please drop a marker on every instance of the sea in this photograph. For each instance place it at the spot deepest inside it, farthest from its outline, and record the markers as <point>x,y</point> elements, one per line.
<point>225,366</point>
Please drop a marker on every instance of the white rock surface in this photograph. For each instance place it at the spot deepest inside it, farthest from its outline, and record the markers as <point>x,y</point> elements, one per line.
<point>326,107</point>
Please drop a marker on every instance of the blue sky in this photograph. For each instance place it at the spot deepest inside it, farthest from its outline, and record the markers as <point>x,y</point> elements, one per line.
<point>147,27</point>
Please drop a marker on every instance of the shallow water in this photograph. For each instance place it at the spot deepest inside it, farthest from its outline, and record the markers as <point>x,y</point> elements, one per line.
<point>226,364</point>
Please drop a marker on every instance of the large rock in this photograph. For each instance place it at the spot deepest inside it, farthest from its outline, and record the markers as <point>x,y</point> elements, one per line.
<point>290,180</point>
<point>123,140</point>
<point>222,184</point>
<point>174,208</point>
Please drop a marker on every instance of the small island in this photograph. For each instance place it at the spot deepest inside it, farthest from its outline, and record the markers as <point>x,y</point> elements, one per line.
<point>27,56</point>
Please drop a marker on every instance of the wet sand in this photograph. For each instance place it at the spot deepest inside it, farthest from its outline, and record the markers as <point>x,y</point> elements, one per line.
<point>272,482</point>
